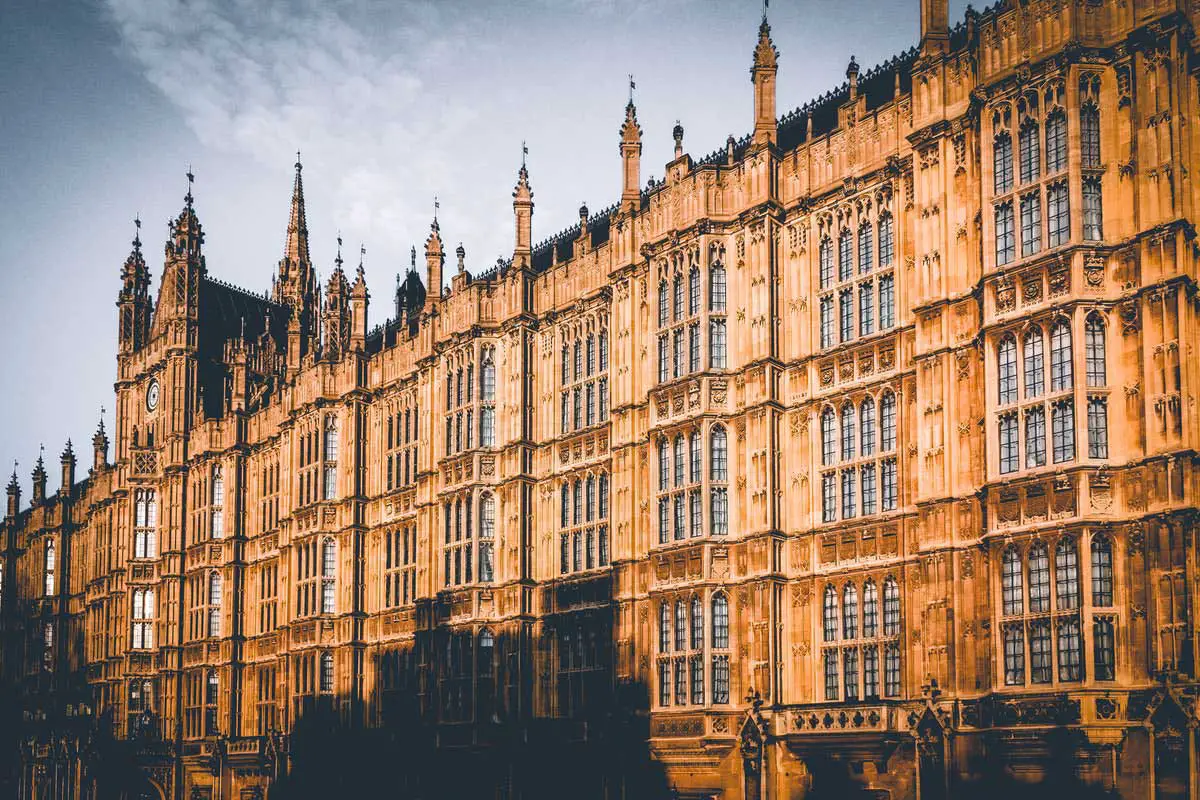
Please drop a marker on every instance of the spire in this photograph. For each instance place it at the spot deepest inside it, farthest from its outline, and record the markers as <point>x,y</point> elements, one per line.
<point>337,309</point>
<point>296,247</point>
<point>631,155</point>
<point>67,461</point>
<point>100,445</point>
<point>133,300</point>
<point>762,75</point>
<point>359,297</point>
<point>14,494</point>
<point>523,212</point>
<point>461,252</point>
<point>434,259</point>
<point>185,231</point>
<point>39,476</point>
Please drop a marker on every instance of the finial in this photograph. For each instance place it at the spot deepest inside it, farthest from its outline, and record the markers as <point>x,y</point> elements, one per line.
<point>583,212</point>
<point>298,165</point>
<point>632,86</point>
<point>461,252</point>
<point>100,427</point>
<point>677,132</point>
<point>137,233</point>
<point>338,259</point>
<point>766,3</point>
<point>436,206</point>
<point>362,251</point>
<point>413,253</point>
<point>524,152</point>
<point>191,179</point>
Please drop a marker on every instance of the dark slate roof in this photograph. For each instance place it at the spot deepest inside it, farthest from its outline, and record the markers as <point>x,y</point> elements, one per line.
<point>228,312</point>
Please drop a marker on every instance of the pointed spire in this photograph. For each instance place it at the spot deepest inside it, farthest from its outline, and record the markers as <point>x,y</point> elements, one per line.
<point>296,247</point>
<point>630,149</point>
<point>762,75</point>
<point>523,212</point>
<point>14,493</point>
<point>434,259</point>
<point>67,461</point>
<point>39,476</point>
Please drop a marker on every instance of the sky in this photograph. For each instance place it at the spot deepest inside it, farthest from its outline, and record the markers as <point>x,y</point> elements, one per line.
<point>391,103</point>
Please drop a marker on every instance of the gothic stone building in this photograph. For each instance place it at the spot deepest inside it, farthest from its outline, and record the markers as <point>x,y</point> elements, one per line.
<point>858,456</point>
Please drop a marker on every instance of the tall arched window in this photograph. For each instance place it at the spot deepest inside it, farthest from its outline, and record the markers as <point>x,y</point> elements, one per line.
<point>829,615</point>
<point>590,504</point>
<point>680,460</point>
<point>1089,136</point>
<point>720,455</point>
<point>695,457</point>
<point>849,431</point>
<point>697,623</point>
<point>845,255</point>
<point>1006,357</point>
<point>887,247</point>
<point>891,608</point>
<point>1031,152</point>
<point>1035,363</point>
<point>217,509</point>
<point>828,437</point>
<point>677,294</point>
<point>143,618</point>
<point>212,695</point>
<point>1002,163</point>
<point>331,455</point>
<point>1102,571</point>
<point>887,422</point>
<point>664,465</point>
<point>50,568</point>
<point>326,674</point>
<point>1066,575</point>
<point>870,620</point>
<point>716,288</point>
<point>1039,578</point>
<point>328,576</point>
<point>215,589</point>
<point>867,427</point>
<point>603,495</point>
<point>850,611</point>
<point>487,536</point>
<point>1056,142</point>
<point>1061,373</point>
<point>664,628</point>
<point>693,291</point>
<point>720,622</point>
<point>1012,582</point>
<point>565,505</point>
<point>1093,343</point>
<point>866,255</point>
<point>664,304</point>
<point>825,257</point>
<point>681,626</point>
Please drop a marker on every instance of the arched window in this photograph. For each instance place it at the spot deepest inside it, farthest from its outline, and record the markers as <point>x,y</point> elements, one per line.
<point>870,620</point>
<point>603,350</point>
<point>577,497</point>
<point>212,695</point>
<point>488,377</point>
<point>664,465</point>
<point>1035,363</point>
<point>1061,375</point>
<point>677,292</point>
<point>328,575</point>
<point>887,248</point>
<point>590,358</point>
<point>143,618</point>
<point>887,422</point>
<point>829,615</point>
<point>716,288</point>
<point>826,262</point>
<point>1066,575</point>
<point>680,460</point>
<point>1093,343</point>
<point>681,626</point>
<point>565,505</point>
<point>1031,152</point>
<point>828,437</point>
<point>866,255</point>
<point>1002,163</point>
<point>693,291</point>
<point>1039,578</point>
<point>845,255</point>
<point>720,622</point>
<point>664,628</point>
<point>849,611</point>
<point>1006,357</point>
<point>487,535</point>
<point>326,673</point>
<point>1102,571</point>
<point>1056,142</point>
<point>566,365</point>
<point>215,589</point>
<point>1089,136</point>
<point>719,470</point>
<point>591,498</point>
<point>603,495</point>
<point>50,567</point>
<point>218,503</point>
<point>697,623</point>
<point>867,427</point>
<point>891,608</point>
<point>696,457</point>
<point>849,431</point>
<point>664,314</point>
<point>331,454</point>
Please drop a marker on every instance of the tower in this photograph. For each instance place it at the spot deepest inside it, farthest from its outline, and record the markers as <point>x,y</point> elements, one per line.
<point>39,480</point>
<point>337,311</point>
<point>133,301</point>
<point>631,158</point>
<point>359,298</point>
<point>523,211</point>
<point>67,460</point>
<point>14,495</point>
<point>762,75</point>
<point>179,292</point>
<point>434,258</point>
<point>100,447</point>
<point>296,283</point>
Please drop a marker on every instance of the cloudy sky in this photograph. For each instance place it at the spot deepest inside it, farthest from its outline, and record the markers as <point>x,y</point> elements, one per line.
<point>391,102</point>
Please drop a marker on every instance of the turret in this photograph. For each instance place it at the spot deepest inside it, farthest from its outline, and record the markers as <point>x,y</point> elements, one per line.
<point>434,258</point>
<point>67,460</point>
<point>296,283</point>
<point>14,495</point>
<point>337,310</point>
<point>133,302</point>
<point>584,242</point>
<point>523,211</point>
<point>359,298</point>
<point>631,157</point>
<point>935,27</point>
<point>852,78</point>
<point>100,447</point>
<point>39,480</point>
<point>179,291</point>
<point>677,133</point>
<point>762,75</point>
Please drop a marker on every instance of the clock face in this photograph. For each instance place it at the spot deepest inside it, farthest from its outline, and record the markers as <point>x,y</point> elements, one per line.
<point>152,396</point>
